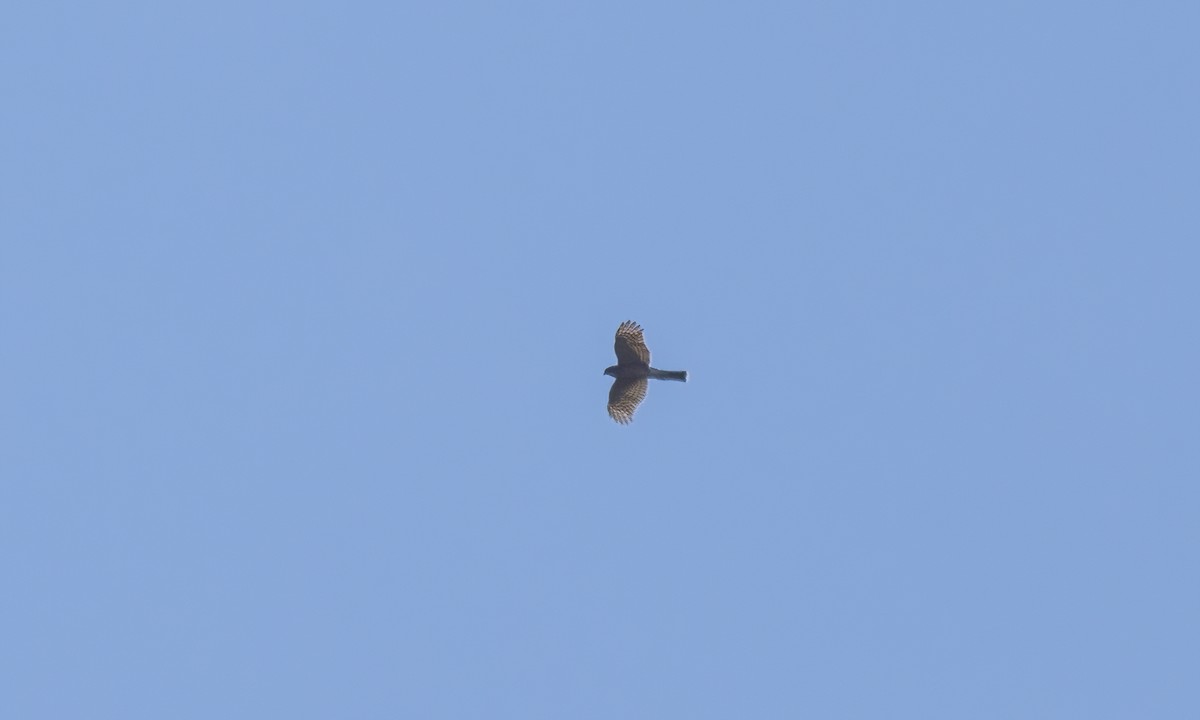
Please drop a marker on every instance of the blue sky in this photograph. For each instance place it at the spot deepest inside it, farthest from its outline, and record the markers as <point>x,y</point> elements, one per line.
<point>306,306</point>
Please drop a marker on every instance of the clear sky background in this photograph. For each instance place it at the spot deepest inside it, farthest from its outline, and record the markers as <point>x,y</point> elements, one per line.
<point>305,308</point>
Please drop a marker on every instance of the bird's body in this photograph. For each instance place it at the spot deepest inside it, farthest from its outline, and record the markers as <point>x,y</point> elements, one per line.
<point>632,371</point>
<point>645,371</point>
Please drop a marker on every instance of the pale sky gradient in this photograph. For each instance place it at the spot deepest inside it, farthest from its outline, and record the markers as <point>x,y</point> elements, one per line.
<point>305,308</point>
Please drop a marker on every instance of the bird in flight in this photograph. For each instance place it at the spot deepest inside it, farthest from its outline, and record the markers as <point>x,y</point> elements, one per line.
<point>631,372</point>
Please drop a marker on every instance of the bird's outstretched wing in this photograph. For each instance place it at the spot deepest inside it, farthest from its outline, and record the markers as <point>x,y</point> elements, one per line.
<point>631,346</point>
<point>624,398</point>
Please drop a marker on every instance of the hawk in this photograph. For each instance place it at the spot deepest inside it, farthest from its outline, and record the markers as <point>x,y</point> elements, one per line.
<point>631,372</point>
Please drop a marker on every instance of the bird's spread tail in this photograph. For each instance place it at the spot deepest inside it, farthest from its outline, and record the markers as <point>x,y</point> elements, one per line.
<point>680,375</point>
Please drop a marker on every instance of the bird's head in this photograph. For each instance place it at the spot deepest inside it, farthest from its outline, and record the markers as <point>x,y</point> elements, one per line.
<point>611,370</point>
